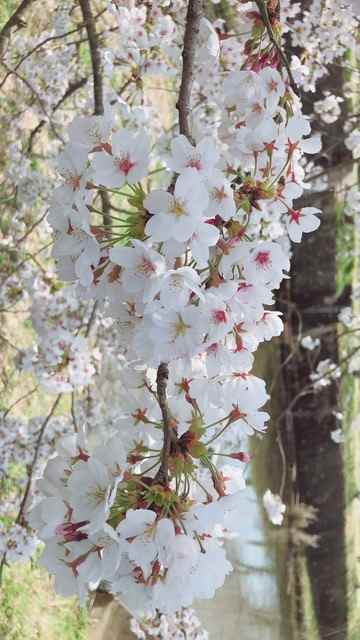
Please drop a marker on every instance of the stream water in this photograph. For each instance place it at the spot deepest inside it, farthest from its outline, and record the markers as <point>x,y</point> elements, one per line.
<point>250,604</point>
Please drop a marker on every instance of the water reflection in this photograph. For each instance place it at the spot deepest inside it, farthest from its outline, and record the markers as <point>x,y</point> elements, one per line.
<point>250,604</point>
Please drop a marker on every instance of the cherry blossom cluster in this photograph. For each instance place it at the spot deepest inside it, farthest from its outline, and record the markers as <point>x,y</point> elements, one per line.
<point>183,624</point>
<point>62,362</point>
<point>184,263</point>
<point>323,33</point>
<point>93,534</point>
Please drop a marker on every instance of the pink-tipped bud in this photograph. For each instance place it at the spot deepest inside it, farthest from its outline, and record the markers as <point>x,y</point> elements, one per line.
<point>242,456</point>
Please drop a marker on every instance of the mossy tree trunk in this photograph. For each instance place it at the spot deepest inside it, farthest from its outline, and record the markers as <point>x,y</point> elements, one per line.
<point>311,304</point>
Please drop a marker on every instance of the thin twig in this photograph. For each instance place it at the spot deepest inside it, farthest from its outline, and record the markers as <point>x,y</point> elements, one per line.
<point>261,4</point>
<point>29,256</point>
<point>20,516</point>
<point>31,229</point>
<point>73,412</point>
<point>72,88</point>
<point>10,344</point>
<point>21,399</point>
<point>91,319</point>
<point>39,100</point>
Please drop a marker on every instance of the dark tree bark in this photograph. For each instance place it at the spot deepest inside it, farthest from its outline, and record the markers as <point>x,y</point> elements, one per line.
<point>310,300</point>
<point>317,460</point>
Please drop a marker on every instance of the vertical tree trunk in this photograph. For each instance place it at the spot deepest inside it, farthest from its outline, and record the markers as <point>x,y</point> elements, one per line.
<point>310,303</point>
<point>318,460</point>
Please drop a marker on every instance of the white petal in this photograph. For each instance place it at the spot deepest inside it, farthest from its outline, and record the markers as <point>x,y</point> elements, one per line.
<point>158,201</point>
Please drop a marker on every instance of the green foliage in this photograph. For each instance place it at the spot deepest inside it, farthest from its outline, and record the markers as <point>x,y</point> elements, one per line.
<point>221,10</point>
<point>349,404</point>
<point>29,609</point>
<point>344,249</point>
<point>85,57</point>
<point>308,627</point>
<point>28,323</point>
<point>7,8</point>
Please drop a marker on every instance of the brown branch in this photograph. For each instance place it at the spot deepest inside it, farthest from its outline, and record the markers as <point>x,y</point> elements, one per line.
<point>192,25</point>
<point>91,319</point>
<point>13,21</point>
<point>21,399</point>
<point>98,85</point>
<point>161,386</point>
<point>31,229</point>
<point>73,412</point>
<point>72,88</point>
<point>106,207</point>
<point>95,56</point>
<point>122,89</point>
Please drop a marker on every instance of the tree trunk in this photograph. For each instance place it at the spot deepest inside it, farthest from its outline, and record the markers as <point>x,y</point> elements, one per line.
<point>311,306</point>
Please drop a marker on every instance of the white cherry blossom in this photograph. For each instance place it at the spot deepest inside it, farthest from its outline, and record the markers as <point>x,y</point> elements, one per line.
<point>177,215</point>
<point>301,221</point>
<point>127,163</point>
<point>202,158</point>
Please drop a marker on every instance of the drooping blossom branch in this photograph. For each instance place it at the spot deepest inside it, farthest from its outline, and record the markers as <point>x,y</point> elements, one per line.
<point>181,282</point>
<point>192,25</point>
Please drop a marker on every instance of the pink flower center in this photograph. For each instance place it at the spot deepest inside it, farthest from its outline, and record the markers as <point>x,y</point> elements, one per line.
<point>243,376</point>
<point>236,414</point>
<point>125,165</point>
<point>273,85</point>
<point>146,267</point>
<point>195,163</point>
<point>69,530</point>
<point>140,415</point>
<point>295,216</point>
<point>239,344</point>
<point>219,316</point>
<point>219,194</point>
<point>263,259</point>
<point>74,182</point>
